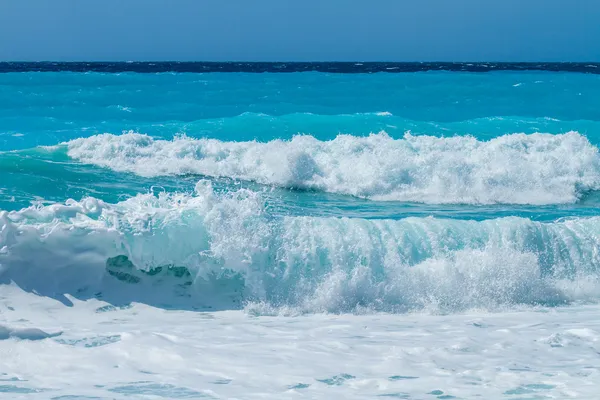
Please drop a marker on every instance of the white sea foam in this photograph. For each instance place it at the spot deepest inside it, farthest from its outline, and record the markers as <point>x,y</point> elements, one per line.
<point>221,251</point>
<point>516,168</point>
<point>25,333</point>
<point>137,351</point>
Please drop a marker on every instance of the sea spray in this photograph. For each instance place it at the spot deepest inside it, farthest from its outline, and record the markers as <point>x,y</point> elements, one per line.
<point>224,250</point>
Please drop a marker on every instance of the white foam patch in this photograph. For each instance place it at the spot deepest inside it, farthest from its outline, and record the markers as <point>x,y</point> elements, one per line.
<point>145,352</point>
<point>7,332</point>
<point>516,168</point>
<point>224,250</point>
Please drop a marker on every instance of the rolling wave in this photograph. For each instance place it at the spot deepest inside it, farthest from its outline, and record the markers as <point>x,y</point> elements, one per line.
<point>224,251</point>
<point>511,169</point>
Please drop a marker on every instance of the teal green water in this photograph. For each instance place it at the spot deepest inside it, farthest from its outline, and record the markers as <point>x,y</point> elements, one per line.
<point>45,109</point>
<point>362,172</point>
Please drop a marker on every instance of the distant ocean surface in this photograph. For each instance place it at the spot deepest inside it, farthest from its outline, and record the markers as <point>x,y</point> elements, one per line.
<point>283,230</point>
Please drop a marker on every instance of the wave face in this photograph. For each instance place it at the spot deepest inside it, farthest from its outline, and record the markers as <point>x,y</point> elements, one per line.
<point>511,169</point>
<point>223,251</point>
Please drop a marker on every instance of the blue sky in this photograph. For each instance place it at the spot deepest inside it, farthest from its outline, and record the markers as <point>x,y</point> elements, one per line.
<point>300,30</point>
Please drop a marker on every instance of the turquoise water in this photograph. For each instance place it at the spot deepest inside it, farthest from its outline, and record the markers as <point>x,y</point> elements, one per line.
<point>263,187</point>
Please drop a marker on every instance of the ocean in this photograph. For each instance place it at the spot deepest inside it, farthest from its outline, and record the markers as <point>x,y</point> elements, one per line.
<point>299,230</point>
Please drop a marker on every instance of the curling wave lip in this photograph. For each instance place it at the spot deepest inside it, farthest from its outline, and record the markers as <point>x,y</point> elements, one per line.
<point>225,251</point>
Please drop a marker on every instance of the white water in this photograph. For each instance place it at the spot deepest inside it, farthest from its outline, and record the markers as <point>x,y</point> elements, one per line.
<point>224,251</point>
<point>147,353</point>
<point>516,168</point>
<point>294,303</point>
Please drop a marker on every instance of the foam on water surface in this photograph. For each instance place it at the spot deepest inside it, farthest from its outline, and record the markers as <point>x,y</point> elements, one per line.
<point>183,354</point>
<point>518,168</point>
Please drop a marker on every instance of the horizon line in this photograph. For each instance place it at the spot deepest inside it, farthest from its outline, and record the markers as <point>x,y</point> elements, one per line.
<point>297,62</point>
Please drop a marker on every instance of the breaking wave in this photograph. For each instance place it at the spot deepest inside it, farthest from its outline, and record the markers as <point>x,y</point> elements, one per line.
<point>226,251</point>
<point>511,169</point>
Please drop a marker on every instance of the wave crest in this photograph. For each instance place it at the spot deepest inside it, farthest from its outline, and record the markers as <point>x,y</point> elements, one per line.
<point>221,251</point>
<point>512,169</point>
